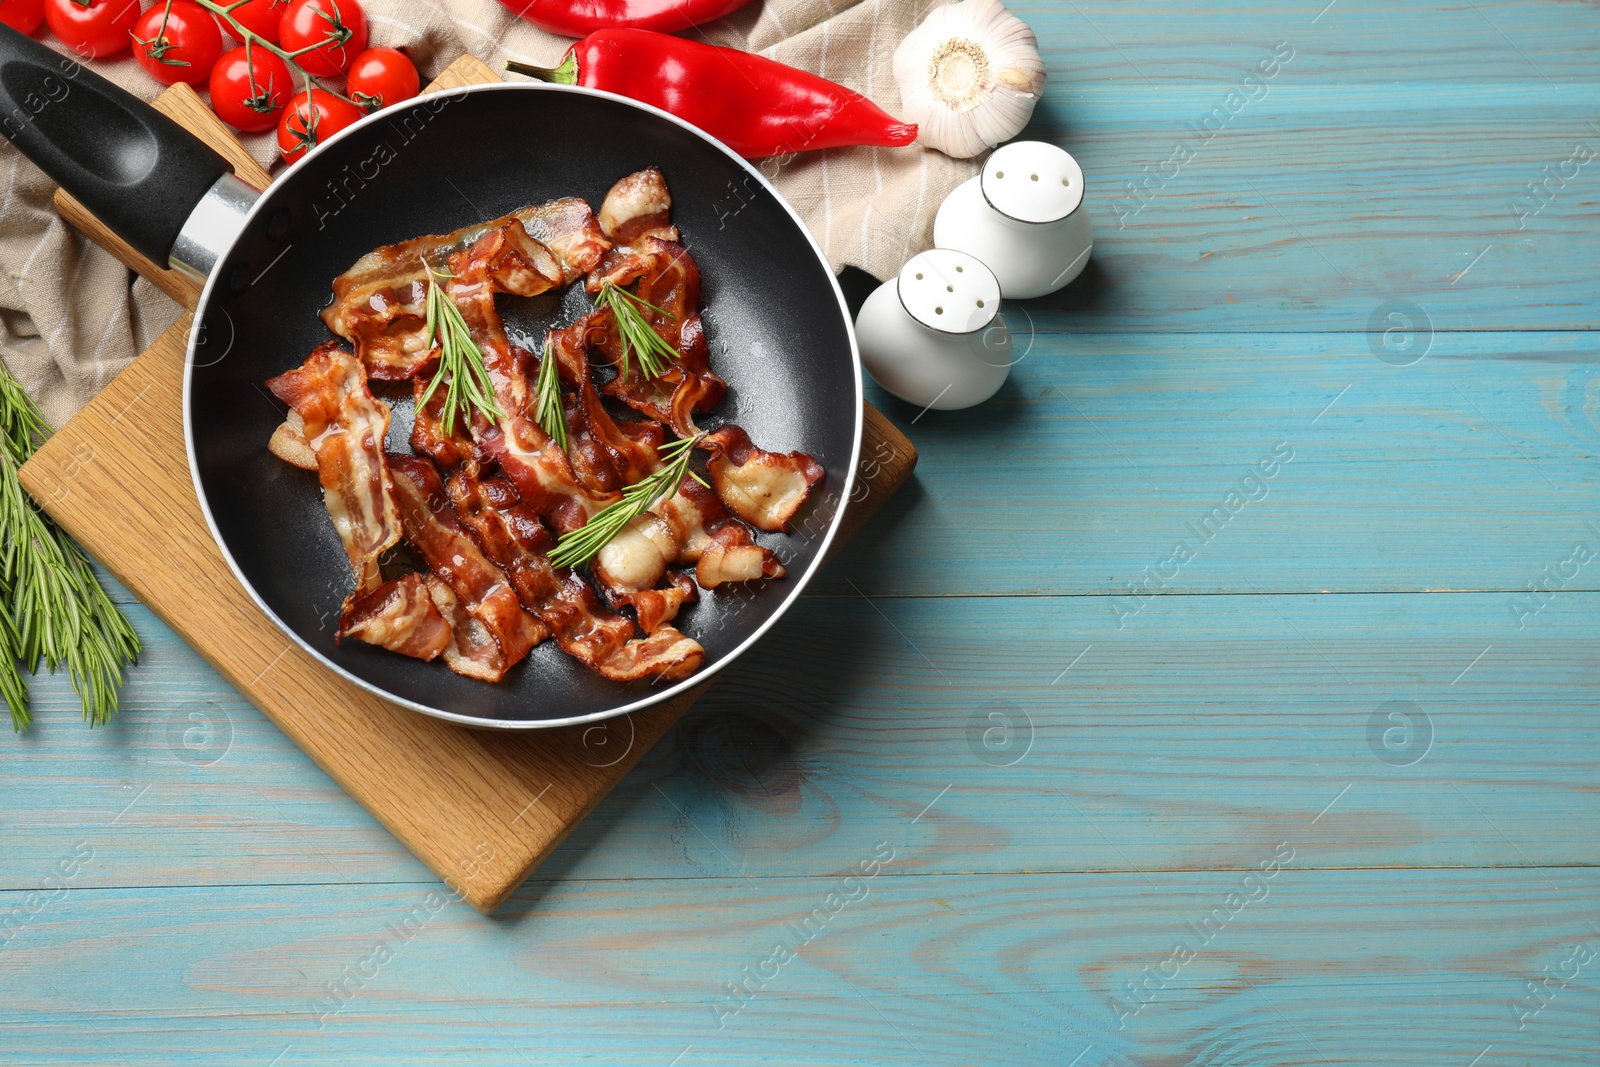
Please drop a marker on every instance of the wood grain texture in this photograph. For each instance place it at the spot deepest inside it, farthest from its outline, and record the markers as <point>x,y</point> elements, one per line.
<point>1375,165</point>
<point>1472,469</point>
<point>1210,723</point>
<point>1322,967</point>
<point>480,809</point>
<point>1225,316</point>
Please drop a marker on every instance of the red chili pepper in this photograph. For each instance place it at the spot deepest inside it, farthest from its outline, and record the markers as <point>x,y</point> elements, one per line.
<point>574,18</point>
<point>756,106</point>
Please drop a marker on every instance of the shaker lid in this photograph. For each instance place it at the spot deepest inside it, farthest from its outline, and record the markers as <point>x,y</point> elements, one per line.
<point>1032,181</point>
<point>949,291</point>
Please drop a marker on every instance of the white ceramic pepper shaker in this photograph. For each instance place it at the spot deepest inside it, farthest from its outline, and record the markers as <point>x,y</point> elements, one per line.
<point>1022,216</point>
<point>933,336</point>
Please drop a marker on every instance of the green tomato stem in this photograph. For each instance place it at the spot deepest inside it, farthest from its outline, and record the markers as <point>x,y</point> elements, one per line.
<point>252,38</point>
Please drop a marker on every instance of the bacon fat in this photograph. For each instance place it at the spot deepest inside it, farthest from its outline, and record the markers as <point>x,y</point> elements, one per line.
<point>344,426</point>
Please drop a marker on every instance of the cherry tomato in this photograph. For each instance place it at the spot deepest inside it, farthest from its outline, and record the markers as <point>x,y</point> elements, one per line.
<point>260,17</point>
<point>93,32</point>
<point>312,118</point>
<point>340,26</point>
<point>176,42</point>
<point>380,77</point>
<point>25,16</point>
<point>249,94</point>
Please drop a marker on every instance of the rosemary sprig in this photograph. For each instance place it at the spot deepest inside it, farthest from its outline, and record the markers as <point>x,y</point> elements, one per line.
<point>634,330</point>
<point>52,608</point>
<point>460,360</point>
<point>580,545</point>
<point>547,410</point>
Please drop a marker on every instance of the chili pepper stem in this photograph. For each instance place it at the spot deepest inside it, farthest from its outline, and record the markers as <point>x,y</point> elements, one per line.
<point>564,73</point>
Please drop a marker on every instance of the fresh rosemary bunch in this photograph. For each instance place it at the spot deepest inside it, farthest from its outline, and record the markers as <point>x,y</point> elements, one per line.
<point>547,410</point>
<point>460,360</point>
<point>580,545</point>
<point>52,608</point>
<point>634,331</point>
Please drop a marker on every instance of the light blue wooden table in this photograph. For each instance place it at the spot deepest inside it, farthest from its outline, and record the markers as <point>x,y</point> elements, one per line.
<point>1322,791</point>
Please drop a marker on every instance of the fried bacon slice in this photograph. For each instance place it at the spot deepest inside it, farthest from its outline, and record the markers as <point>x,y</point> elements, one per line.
<point>288,443</point>
<point>636,207</point>
<point>512,535</point>
<point>429,437</point>
<point>379,304</point>
<point>472,650</point>
<point>400,616</point>
<point>669,280</point>
<point>344,427</point>
<point>764,489</point>
<point>482,604</point>
<point>536,465</point>
<point>605,454</point>
<point>655,607</point>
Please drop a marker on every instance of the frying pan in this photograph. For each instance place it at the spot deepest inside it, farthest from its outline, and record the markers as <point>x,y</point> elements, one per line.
<point>778,325</point>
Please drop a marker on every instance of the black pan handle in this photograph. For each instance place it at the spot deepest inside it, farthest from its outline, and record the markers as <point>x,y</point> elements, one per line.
<point>139,172</point>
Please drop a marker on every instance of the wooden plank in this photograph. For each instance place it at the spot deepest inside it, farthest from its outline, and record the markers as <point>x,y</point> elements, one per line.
<point>1426,45</point>
<point>1473,469</point>
<point>1388,152</point>
<point>1342,967</point>
<point>1375,165</point>
<point>1206,724</point>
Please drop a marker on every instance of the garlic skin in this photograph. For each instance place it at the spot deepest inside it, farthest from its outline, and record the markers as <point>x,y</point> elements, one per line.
<point>969,77</point>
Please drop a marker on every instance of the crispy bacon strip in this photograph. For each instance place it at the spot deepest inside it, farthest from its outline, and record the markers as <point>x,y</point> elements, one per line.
<point>484,598</point>
<point>605,454</point>
<point>764,489</point>
<point>636,207</point>
<point>541,472</point>
<point>400,616</point>
<point>655,607</point>
<point>428,435</point>
<point>722,548</point>
<point>668,279</point>
<point>379,304</point>
<point>288,443</point>
<point>344,427</point>
<point>511,535</point>
<point>472,650</point>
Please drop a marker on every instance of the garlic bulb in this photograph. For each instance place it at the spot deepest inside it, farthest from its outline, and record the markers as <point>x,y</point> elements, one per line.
<point>969,77</point>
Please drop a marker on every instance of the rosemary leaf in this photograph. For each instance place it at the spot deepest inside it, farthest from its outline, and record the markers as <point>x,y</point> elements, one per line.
<point>52,608</point>
<point>547,410</point>
<point>13,690</point>
<point>580,545</point>
<point>634,331</point>
<point>461,361</point>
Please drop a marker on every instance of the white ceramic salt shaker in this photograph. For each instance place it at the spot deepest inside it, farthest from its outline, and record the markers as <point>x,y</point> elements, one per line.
<point>1023,216</point>
<point>933,336</point>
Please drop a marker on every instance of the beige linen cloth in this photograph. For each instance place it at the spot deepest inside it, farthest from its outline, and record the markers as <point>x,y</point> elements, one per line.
<point>72,317</point>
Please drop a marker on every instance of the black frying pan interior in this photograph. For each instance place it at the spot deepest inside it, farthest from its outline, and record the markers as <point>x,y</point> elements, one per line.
<point>778,335</point>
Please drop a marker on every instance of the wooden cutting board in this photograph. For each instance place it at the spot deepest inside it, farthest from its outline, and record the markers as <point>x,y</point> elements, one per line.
<point>481,808</point>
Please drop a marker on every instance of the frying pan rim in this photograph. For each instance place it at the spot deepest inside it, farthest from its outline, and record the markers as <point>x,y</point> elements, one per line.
<point>796,584</point>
